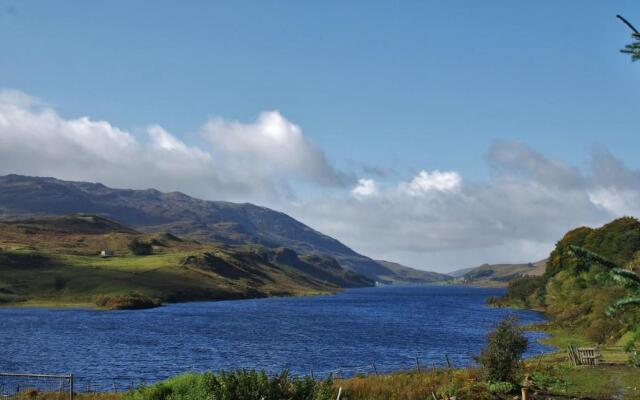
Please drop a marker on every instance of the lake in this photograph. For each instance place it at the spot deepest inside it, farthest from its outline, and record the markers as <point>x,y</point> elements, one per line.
<point>347,333</point>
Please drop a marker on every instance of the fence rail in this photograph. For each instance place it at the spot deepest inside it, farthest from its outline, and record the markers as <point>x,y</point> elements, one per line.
<point>32,386</point>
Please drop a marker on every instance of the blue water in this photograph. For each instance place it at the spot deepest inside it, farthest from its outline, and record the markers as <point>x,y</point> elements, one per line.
<point>347,333</point>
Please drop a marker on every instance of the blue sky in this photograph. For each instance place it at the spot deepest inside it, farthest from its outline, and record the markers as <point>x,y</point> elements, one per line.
<point>410,85</point>
<point>393,87</point>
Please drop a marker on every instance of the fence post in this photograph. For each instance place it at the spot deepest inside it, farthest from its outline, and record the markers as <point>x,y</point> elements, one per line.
<point>418,364</point>
<point>70,386</point>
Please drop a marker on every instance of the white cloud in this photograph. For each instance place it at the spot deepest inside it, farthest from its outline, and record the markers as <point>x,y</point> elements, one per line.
<point>364,188</point>
<point>272,144</point>
<point>425,182</point>
<point>433,219</point>
<point>245,162</point>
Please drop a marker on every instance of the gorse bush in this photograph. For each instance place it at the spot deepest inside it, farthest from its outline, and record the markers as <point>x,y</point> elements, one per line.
<point>236,385</point>
<point>501,358</point>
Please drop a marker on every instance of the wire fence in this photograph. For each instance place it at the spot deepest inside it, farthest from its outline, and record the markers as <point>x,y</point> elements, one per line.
<point>36,386</point>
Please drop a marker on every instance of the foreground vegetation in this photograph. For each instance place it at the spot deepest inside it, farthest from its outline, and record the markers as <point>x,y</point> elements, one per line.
<point>240,384</point>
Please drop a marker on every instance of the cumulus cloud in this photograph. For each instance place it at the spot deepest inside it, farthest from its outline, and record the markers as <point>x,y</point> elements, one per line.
<point>271,144</point>
<point>434,220</point>
<point>244,162</point>
<point>425,182</point>
<point>364,188</point>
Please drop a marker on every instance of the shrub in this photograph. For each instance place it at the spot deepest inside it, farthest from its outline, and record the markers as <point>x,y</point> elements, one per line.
<point>236,385</point>
<point>140,248</point>
<point>501,357</point>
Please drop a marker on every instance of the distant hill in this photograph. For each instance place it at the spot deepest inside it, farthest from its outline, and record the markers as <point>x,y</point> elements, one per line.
<point>403,273</point>
<point>460,272</point>
<point>499,274</point>
<point>182,215</point>
<point>56,260</point>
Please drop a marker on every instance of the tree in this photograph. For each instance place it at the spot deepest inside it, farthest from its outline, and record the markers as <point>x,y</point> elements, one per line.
<point>501,358</point>
<point>634,48</point>
<point>140,248</point>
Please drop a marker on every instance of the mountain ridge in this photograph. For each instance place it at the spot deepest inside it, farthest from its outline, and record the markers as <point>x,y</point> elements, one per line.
<point>182,215</point>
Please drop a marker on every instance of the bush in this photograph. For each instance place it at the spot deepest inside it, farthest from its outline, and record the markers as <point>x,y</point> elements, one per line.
<point>236,385</point>
<point>140,248</point>
<point>501,357</point>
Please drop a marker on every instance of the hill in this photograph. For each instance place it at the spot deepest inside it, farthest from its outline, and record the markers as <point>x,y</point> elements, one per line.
<point>55,260</point>
<point>406,274</point>
<point>497,274</point>
<point>182,215</point>
<point>459,273</point>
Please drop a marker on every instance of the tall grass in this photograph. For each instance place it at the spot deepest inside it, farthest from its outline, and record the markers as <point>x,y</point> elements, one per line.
<point>236,385</point>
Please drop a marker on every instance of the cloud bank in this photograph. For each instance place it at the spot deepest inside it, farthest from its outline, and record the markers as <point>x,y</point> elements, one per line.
<point>433,219</point>
<point>436,220</point>
<point>255,161</point>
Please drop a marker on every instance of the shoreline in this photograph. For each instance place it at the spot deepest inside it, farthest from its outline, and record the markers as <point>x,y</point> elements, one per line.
<point>83,305</point>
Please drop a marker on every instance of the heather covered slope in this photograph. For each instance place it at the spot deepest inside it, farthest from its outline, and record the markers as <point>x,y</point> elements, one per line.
<point>55,261</point>
<point>182,215</point>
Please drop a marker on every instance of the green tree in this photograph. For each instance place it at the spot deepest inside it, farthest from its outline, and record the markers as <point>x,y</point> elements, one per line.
<point>501,358</point>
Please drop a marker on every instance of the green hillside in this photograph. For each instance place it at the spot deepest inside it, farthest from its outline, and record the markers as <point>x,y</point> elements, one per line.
<point>576,292</point>
<point>56,261</point>
<point>206,221</point>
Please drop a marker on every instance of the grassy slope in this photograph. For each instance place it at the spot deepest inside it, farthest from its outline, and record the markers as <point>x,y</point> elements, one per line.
<point>43,263</point>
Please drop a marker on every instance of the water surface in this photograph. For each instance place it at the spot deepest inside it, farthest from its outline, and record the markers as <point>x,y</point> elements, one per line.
<point>387,326</point>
